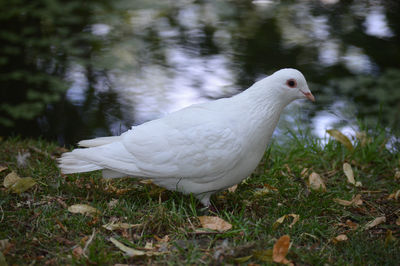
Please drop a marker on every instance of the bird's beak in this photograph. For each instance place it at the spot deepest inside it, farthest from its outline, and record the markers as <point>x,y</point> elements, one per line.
<point>309,96</point>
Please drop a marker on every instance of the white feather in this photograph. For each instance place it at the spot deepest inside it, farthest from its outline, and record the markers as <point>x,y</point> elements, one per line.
<point>200,149</point>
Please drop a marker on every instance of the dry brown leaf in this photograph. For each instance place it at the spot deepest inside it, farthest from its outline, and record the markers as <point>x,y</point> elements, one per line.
<point>355,201</point>
<point>165,239</point>
<point>348,171</point>
<point>84,209</point>
<point>77,252</point>
<point>279,221</point>
<point>341,138</point>
<point>352,224</point>
<point>111,226</point>
<point>375,222</point>
<point>214,223</point>
<point>280,250</point>
<point>296,218</point>
<point>315,182</point>
<point>233,188</point>
<point>395,195</point>
<point>339,238</point>
<point>2,168</point>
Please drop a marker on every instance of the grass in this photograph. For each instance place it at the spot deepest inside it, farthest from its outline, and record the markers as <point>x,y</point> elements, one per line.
<point>41,230</point>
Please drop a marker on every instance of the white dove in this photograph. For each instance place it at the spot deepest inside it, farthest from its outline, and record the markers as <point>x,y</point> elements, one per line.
<point>200,149</point>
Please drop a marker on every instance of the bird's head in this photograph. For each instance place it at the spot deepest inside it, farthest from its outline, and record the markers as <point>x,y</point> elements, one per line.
<point>290,85</point>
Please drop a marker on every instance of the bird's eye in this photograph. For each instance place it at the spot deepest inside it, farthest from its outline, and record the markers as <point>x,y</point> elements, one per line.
<point>291,83</point>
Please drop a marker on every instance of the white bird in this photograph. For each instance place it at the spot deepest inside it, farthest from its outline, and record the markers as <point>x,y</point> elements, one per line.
<point>200,149</point>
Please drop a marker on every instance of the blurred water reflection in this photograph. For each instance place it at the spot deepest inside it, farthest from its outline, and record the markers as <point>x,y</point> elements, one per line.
<point>152,58</point>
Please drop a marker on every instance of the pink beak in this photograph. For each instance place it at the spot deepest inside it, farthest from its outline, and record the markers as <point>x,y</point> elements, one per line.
<point>309,96</point>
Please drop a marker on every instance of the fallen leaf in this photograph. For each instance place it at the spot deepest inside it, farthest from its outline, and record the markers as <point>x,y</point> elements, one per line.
<point>131,252</point>
<point>77,252</point>
<point>341,138</point>
<point>352,224</point>
<point>355,201</point>
<point>233,188</point>
<point>316,182</point>
<point>397,175</point>
<point>375,222</point>
<point>111,226</point>
<point>112,203</point>
<point>214,223</point>
<point>165,239</point>
<point>243,259</point>
<point>84,209</point>
<point>394,195</point>
<point>339,238</point>
<point>2,168</point>
<point>22,185</point>
<point>10,179</point>
<point>263,255</point>
<point>363,138</point>
<point>280,250</point>
<point>348,171</point>
<point>149,246</point>
<point>280,220</point>
<point>389,238</point>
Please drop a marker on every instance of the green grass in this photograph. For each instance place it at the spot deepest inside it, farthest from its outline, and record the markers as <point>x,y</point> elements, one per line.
<point>33,221</point>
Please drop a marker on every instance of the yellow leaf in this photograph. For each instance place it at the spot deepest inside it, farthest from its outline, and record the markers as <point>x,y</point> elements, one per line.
<point>341,138</point>
<point>280,250</point>
<point>233,188</point>
<point>214,223</point>
<point>375,222</point>
<point>111,226</point>
<point>10,179</point>
<point>243,259</point>
<point>316,182</point>
<point>279,221</point>
<point>389,238</point>
<point>83,209</point>
<point>131,252</point>
<point>339,238</point>
<point>23,185</point>
<point>355,201</point>
<point>263,255</point>
<point>349,173</point>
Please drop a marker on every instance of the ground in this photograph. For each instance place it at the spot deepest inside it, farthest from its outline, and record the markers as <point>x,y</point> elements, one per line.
<point>38,227</point>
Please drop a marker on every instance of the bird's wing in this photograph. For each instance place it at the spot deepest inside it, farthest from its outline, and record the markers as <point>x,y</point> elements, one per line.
<point>190,144</point>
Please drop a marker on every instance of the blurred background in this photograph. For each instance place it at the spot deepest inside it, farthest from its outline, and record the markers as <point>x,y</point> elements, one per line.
<point>71,70</point>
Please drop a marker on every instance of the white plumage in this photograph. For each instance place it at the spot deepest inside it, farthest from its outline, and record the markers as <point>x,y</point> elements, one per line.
<point>201,149</point>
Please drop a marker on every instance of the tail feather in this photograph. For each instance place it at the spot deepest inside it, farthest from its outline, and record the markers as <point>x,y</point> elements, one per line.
<point>98,141</point>
<point>69,164</point>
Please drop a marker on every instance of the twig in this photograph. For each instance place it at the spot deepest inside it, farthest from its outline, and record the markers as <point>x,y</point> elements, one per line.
<point>88,242</point>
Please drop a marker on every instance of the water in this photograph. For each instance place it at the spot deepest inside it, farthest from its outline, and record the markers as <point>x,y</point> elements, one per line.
<point>141,60</point>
